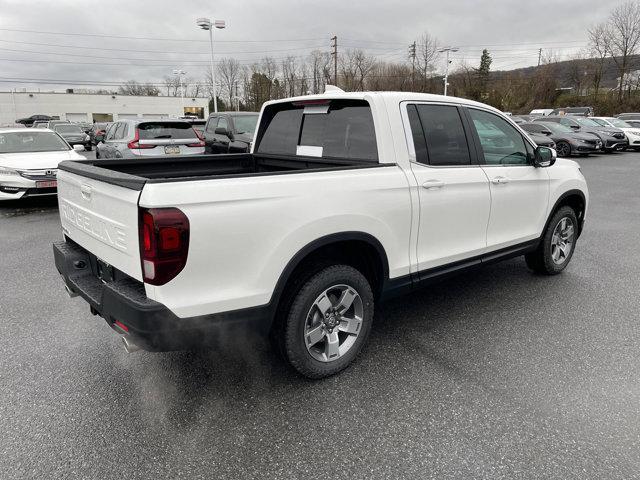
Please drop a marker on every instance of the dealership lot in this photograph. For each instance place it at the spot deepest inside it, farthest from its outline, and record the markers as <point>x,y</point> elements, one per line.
<point>497,373</point>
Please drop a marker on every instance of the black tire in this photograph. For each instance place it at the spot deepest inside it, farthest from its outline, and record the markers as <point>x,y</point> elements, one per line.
<point>97,154</point>
<point>87,148</point>
<point>542,259</point>
<point>291,333</point>
<point>563,149</point>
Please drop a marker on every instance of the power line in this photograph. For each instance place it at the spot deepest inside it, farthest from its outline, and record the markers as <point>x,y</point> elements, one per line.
<point>100,35</point>
<point>148,59</point>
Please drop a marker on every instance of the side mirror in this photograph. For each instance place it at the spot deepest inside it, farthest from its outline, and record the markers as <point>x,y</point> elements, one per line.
<point>544,157</point>
<point>223,131</point>
<point>547,132</point>
<point>575,127</point>
<point>78,148</point>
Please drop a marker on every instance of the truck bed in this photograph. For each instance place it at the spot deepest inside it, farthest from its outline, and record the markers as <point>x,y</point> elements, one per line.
<point>134,173</point>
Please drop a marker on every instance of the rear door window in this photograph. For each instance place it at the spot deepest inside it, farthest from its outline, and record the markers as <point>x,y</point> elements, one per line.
<point>438,135</point>
<point>162,130</point>
<point>341,129</point>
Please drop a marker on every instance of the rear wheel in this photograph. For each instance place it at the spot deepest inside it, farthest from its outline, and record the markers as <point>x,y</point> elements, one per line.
<point>558,243</point>
<point>563,149</point>
<point>328,321</point>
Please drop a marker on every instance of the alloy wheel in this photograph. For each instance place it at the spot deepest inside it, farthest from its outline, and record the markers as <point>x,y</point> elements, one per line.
<point>333,323</point>
<point>562,240</point>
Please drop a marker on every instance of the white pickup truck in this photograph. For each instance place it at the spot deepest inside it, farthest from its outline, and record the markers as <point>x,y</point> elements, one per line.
<point>346,200</point>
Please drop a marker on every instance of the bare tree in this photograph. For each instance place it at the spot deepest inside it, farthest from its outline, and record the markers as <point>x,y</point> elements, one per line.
<point>355,66</point>
<point>319,63</point>
<point>229,74</point>
<point>289,75</point>
<point>131,87</point>
<point>624,28</point>
<point>599,49</point>
<point>427,55</point>
<point>172,84</point>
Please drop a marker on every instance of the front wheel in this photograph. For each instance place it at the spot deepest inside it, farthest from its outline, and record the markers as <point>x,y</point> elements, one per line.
<point>328,321</point>
<point>557,245</point>
<point>563,149</point>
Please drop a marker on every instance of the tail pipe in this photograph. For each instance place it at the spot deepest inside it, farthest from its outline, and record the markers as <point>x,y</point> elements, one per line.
<point>129,346</point>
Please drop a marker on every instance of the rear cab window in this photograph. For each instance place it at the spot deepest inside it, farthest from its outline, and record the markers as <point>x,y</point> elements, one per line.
<point>332,129</point>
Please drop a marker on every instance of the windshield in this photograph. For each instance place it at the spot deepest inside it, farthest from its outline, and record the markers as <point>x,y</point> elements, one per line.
<point>557,128</point>
<point>616,122</point>
<point>586,122</point>
<point>601,122</point>
<point>245,123</point>
<point>23,142</point>
<point>67,128</point>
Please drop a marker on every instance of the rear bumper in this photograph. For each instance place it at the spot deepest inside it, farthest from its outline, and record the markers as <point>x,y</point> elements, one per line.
<point>149,324</point>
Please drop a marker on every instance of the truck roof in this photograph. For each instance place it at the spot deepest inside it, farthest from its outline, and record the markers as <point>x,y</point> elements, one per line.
<point>387,96</point>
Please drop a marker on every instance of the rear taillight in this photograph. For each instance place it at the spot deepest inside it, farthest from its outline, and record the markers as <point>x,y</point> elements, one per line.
<point>164,243</point>
<point>197,144</point>
<point>135,143</point>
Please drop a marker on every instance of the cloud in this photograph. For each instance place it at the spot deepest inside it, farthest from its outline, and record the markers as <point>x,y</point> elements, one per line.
<point>382,28</point>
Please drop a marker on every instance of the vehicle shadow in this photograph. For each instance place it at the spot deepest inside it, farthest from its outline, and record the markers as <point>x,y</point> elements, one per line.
<point>15,208</point>
<point>412,329</point>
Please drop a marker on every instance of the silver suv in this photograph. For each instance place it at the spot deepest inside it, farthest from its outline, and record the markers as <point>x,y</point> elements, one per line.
<point>149,138</point>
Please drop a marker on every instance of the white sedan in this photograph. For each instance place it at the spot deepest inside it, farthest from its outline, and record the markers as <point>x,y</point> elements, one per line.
<point>29,161</point>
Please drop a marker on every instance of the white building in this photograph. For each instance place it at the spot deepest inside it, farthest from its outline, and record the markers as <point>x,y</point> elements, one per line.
<point>84,107</point>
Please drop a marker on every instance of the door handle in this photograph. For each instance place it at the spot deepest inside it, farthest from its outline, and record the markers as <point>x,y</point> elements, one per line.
<point>499,180</point>
<point>433,184</point>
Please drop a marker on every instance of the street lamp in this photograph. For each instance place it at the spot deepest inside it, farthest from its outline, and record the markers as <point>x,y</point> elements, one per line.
<point>206,24</point>
<point>180,74</point>
<point>446,67</point>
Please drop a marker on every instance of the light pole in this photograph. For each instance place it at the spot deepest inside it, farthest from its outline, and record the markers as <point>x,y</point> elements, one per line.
<point>180,74</point>
<point>206,24</point>
<point>446,67</point>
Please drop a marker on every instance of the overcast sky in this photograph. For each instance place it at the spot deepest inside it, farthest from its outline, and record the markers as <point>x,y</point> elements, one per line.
<point>512,30</point>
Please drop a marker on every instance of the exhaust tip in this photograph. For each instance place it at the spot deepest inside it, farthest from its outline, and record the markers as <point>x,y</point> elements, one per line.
<point>70,292</point>
<point>129,346</point>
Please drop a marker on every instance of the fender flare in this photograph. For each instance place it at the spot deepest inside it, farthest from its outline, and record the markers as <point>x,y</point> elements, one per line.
<point>559,201</point>
<point>301,254</point>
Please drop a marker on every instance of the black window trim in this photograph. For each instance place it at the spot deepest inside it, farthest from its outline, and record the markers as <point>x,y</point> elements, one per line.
<point>473,155</point>
<point>478,146</point>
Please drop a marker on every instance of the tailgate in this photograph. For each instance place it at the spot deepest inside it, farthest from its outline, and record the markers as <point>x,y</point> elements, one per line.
<point>102,218</point>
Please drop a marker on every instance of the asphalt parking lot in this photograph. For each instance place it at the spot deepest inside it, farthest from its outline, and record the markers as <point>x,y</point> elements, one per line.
<point>496,374</point>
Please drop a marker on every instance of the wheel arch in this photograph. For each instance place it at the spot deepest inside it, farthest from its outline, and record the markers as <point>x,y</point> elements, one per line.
<point>358,249</point>
<point>572,198</point>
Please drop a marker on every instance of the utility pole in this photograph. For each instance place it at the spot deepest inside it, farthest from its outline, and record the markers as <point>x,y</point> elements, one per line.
<point>539,56</point>
<point>237,98</point>
<point>334,53</point>
<point>412,56</point>
<point>446,67</point>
